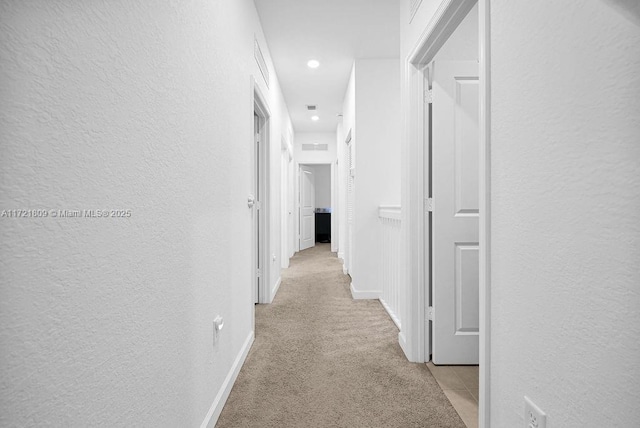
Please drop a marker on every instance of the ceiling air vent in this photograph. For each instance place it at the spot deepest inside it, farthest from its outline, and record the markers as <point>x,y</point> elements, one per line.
<point>315,147</point>
<point>311,107</point>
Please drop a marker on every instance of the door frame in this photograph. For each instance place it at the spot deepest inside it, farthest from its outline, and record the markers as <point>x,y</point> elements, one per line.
<point>414,338</point>
<point>260,107</point>
<point>334,196</point>
<point>349,170</point>
<point>286,159</point>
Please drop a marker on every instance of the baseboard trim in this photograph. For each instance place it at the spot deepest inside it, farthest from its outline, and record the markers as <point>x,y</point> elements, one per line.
<point>402,341</point>
<point>341,255</point>
<point>391,314</point>
<point>275,289</point>
<point>363,295</point>
<point>220,400</point>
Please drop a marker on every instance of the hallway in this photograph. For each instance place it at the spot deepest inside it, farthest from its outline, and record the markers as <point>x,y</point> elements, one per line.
<point>322,359</point>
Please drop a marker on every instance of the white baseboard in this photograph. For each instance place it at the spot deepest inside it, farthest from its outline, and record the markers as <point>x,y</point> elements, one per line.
<point>392,314</point>
<point>402,341</point>
<point>341,255</point>
<point>363,294</point>
<point>275,289</point>
<point>218,403</point>
<point>344,270</point>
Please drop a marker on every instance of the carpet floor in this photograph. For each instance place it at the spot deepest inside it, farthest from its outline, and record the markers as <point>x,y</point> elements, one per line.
<point>322,359</point>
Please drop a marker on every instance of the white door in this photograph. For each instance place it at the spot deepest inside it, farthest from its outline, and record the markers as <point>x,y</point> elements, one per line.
<point>307,208</point>
<point>455,263</point>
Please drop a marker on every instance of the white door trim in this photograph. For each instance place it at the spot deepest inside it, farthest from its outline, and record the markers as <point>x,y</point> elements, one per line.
<point>413,337</point>
<point>484,414</point>
<point>261,108</point>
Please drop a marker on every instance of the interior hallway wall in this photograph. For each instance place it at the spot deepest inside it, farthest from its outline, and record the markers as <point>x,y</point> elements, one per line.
<point>140,107</point>
<point>565,159</point>
<point>347,130</point>
<point>376,116</point>
<point>323,185</point>
<point>340,211</point>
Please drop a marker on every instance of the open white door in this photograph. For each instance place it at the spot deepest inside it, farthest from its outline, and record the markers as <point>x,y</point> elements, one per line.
<point>307,208</point>
<point>455,145</point>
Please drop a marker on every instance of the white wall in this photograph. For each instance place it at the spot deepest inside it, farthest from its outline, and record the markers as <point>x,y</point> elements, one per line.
<point>339,217</point>
<point>344,129</point>
<point>322,176</point>
<point>565,200</point>
<point>280,129</point>
<point>463,44</point>
<point>377,160</point>
<point>133,106</point>
<point>565,325</point>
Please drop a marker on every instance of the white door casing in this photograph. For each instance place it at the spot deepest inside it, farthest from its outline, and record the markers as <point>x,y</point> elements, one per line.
<point>259,198</point>
<point>455,193</point>
<point>257,211</point>
<point>307,207</point>
<point>349,179</point>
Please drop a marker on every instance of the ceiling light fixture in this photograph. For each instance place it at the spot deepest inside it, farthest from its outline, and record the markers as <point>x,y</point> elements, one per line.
<point>315,118</point>
<point>313,64</point>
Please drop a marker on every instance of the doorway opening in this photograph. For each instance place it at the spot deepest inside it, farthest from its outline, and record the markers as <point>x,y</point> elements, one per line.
<point>258,199</point>
<point>316,204</point>
<point>286,202</point>
<point>447,204</point>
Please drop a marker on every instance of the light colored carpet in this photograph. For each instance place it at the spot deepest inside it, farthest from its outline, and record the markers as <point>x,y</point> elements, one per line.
<point>321,359</point>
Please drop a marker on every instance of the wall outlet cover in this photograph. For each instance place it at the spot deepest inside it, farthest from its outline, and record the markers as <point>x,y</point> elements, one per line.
<point>534,417</point>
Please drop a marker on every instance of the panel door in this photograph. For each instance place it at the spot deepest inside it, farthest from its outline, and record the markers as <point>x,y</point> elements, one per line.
<point>455,169</point>
<point>307,208</point>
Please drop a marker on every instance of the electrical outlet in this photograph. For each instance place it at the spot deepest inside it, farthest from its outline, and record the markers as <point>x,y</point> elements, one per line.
<point>533,416</point>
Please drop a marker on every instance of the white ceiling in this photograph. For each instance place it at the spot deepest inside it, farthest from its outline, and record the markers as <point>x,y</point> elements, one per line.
<point>334,32</point>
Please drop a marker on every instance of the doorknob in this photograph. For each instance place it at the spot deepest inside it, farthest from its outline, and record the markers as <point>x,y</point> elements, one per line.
<point>251,200</point>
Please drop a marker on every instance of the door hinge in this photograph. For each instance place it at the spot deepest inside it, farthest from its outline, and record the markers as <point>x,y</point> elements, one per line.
<point>430,313</point>
<point>428,96</point>
<point>258,273</point>
<point>428,205</point>
<point>258,205</point>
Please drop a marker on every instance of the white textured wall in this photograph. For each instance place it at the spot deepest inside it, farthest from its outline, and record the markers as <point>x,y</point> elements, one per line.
<point>323,185</point>
<point>377,166</point>
<point>338,219</point>
<point>463,43</point>
<point>348,126</point>
<point>124,105</point>
<point>565,211</point>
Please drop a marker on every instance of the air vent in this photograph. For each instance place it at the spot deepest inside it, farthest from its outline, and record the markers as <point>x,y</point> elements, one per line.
<point>311,107</point>
<point>315,147</point>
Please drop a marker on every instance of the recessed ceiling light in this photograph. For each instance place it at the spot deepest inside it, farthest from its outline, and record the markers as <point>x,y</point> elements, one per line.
<point>315,118</point>
<point>313,64</point>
